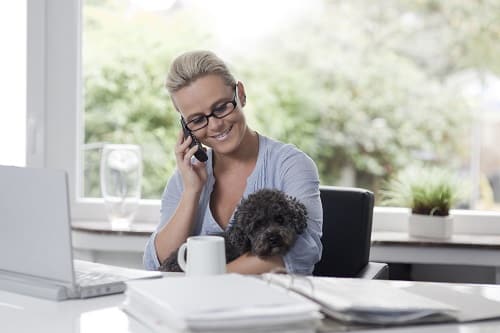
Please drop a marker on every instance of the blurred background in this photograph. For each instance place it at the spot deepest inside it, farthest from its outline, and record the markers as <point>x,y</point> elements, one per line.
<point>366,88</point>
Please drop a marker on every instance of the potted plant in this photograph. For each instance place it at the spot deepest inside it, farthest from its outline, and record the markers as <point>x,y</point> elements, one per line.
<point>429,192</point>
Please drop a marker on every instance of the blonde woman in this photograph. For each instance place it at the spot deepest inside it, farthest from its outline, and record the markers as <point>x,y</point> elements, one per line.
<point>201,197</point>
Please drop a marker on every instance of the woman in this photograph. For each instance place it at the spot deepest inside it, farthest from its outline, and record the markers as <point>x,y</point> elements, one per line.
<point>201,197</point>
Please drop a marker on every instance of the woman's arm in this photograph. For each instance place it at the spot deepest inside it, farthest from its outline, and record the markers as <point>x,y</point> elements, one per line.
<point>171,236</point>
<point>179,205</point>
<point>250,264</point>
<point>172,204</point>
<point>299,178</point>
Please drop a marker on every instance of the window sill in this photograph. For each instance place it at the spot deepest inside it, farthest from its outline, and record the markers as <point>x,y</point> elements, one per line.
<point>99,236</point>
<point>381,238</point>
<point>104,228</point>
<point>466,222</point>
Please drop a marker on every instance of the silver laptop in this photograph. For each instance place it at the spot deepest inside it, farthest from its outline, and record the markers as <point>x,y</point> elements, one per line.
<point>36,255</point>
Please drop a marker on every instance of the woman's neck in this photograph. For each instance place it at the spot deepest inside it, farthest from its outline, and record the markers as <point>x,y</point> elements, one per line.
<point>246,153</point>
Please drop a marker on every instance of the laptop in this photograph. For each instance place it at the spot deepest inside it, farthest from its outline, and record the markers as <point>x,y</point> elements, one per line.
<point>36,256</point>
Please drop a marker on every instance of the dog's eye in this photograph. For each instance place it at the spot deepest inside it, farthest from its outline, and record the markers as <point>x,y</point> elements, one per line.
<point>260,222</point>
<point>279,219</point>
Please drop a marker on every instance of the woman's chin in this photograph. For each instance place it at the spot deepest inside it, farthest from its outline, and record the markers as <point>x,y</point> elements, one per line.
<point>224,148</point>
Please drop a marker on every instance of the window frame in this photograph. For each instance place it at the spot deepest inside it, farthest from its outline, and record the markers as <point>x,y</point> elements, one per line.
<point>54,87</point>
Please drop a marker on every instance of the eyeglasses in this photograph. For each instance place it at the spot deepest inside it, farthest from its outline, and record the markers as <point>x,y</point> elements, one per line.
<point>219,112</point>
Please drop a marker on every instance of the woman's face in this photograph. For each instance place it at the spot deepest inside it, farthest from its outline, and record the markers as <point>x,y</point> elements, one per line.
<point>202,97</point>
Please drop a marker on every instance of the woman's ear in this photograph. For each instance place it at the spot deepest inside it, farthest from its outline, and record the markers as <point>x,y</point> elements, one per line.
<point>240,91</point>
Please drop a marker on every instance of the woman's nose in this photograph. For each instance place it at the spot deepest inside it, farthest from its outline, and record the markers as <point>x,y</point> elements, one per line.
<point>215,124</point>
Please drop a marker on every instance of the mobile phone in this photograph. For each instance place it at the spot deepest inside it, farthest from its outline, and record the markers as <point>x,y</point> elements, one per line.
<point>200,154</point>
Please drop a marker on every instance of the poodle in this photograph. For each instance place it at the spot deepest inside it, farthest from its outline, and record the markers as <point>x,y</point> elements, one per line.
<point>266,224</point>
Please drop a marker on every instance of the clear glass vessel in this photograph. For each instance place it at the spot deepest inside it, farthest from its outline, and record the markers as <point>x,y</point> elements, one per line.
<point>121,176</point>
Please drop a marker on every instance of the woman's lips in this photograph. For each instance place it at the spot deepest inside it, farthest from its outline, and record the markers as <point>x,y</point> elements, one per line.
<point>223,135</point>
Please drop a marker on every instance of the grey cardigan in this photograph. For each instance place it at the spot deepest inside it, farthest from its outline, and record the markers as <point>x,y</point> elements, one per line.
<point>279,166</point>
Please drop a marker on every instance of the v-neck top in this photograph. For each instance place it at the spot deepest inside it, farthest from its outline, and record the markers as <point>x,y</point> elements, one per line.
<point>279,166</point>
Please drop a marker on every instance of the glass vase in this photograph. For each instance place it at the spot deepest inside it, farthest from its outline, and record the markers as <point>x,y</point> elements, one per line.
<point>121,176</point>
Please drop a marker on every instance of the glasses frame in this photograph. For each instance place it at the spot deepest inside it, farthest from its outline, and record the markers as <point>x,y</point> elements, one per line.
<point>212,113</point>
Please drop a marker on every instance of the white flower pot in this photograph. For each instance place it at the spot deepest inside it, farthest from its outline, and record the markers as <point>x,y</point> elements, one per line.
<point>436,227</point>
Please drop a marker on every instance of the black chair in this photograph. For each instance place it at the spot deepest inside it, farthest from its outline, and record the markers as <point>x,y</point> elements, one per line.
<point>347,228</point>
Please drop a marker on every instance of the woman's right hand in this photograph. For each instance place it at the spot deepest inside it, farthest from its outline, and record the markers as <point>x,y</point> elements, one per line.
<point>193,172</point>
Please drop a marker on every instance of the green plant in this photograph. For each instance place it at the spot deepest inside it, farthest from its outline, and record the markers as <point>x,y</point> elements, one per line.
<point>426,190</point>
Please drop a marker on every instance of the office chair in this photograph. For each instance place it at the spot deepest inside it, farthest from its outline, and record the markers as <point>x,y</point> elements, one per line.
<point>347,228</point>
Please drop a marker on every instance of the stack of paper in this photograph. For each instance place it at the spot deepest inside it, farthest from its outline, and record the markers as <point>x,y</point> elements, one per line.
<point>219,303</point>
<point>366,301</point>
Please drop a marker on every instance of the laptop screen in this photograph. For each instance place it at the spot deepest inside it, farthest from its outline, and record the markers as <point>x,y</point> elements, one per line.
<point>35,232</point>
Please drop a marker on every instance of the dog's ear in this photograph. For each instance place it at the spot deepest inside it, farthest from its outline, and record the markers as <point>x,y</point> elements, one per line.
<point>299,215</point>
<point>237,237</point>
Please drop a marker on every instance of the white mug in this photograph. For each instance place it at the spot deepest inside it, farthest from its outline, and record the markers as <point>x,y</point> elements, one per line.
<point>206,255</point>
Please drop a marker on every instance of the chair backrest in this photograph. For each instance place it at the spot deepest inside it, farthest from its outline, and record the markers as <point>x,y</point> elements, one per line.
<point>347,228</point>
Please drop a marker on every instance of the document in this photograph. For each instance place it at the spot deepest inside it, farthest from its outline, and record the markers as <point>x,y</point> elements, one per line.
<point>365,301</point>
<point>472,301</point>
<point>279,303</point>
<point>228,302</point>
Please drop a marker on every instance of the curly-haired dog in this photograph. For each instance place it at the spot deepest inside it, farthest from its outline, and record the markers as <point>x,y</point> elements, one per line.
<point>266,224</point>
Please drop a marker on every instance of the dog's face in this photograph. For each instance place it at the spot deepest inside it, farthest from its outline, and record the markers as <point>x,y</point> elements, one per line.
<point>270,221</point>
<point>274,239</point>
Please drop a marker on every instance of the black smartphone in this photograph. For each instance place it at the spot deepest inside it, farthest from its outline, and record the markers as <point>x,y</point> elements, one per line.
<point>201,154</point>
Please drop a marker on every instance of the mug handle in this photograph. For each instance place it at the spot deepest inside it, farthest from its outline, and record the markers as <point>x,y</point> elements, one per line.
<point>181,255</point>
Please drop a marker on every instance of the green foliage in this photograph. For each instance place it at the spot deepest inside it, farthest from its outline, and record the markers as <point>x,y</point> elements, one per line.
<point>474,30</point>
<point>426,190</point>
<point>350,84</point>
<point>125,98</point>
<point>354,102</point>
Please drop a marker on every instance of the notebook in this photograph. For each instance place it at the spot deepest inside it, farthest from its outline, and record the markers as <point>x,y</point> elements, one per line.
<point>219,303</point>
<point>36,255</point>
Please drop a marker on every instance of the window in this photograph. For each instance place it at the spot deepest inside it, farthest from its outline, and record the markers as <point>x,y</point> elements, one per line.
<point>13,83</point>
<point>364,88</point>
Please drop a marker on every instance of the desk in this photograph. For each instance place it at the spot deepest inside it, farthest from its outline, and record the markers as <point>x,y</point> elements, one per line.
<point>95,241</point>
<point>398,247</point>
<point>22,314</point>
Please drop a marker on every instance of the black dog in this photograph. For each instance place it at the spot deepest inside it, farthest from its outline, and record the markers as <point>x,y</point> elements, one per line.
<point>266,224</point>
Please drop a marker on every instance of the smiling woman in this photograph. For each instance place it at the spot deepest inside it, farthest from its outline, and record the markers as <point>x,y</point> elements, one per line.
<point>202,197</point>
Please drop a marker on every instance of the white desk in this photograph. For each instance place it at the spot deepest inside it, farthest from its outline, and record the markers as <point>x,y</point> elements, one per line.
<point>477,250</point>
<point>95,241</point>
<point>21,314</point>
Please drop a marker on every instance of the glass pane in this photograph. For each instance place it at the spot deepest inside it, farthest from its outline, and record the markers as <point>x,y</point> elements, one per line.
<point>13,83</point>
<point>488,88</point>
<point>365,88</point>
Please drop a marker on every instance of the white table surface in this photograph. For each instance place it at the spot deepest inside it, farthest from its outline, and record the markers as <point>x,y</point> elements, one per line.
<point>20,314</point>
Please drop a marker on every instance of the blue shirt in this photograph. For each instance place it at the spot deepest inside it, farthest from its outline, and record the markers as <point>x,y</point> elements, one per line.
<point>279,166</point>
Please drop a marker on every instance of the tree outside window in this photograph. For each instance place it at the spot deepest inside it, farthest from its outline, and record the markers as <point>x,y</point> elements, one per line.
<point>365,88</point>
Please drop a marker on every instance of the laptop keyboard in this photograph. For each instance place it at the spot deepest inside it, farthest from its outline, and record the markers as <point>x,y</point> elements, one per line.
<point>96,278</point>
<point>90,274</point>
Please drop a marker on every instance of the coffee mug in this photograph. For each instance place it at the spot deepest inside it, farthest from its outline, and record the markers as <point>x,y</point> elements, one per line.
<point>206,255</point>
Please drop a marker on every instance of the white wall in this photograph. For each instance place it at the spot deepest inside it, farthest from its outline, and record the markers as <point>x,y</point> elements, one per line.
<point>13,32</point>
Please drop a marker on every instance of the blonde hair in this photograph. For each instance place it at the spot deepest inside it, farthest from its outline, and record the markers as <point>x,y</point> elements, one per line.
<point>189,66</point>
